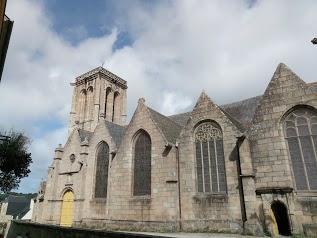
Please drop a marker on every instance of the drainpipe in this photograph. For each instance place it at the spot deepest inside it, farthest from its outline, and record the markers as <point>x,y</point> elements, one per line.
<point>179,188</point>
<point>241,190</point>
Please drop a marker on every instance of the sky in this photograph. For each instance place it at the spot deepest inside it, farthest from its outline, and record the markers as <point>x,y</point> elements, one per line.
<point>167,50</point>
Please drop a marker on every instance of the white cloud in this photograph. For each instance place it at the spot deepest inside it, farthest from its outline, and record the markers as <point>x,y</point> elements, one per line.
<point>175,102</point>
<point>179,49</point>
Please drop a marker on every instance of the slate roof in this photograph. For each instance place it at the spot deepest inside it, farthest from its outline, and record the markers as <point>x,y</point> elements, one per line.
<point>171,129</point>
<point>181,118</point>
<point>233,120</point>
<point>240,113</point>
<point>116,131</point>
<point>17,204</point>
<point>244,110</point>
<point>83,134</point>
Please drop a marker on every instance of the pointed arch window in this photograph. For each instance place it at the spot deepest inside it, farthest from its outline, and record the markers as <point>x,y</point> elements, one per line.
<point>82,105</point>
<point>102,168</point>
<point>115,108</point>
<point>210,165</point>
<point>90,103</point>
<point>142,165</point>
<point>108,90</point>
<point>301,135</point>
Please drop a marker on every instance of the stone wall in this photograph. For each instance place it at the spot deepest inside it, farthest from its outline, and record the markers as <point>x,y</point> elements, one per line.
<point>161,205</point>
<point>49,231</point>
<point>222,210</point>
<point>269,149</point>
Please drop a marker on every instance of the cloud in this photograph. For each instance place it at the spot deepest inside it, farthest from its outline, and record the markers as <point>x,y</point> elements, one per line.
<point>35,85</point>
<point>174,51</point>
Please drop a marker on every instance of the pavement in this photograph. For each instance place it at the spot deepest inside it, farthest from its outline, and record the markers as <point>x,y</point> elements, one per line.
<point>195,235</point>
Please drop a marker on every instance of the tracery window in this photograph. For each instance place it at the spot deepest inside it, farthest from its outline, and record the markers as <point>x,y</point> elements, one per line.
<point>142,165</point>
<point>210,166</point>
<point>301,135</point>
<point>102,168</point>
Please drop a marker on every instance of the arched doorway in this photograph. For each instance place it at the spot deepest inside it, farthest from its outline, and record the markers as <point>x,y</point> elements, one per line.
<point>67,209</point>
<point>280,219</point>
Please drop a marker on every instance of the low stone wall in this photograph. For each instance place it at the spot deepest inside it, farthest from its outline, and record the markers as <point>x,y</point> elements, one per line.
<point>128,225</point>
<point>310,229</point>
<point>37,230</point>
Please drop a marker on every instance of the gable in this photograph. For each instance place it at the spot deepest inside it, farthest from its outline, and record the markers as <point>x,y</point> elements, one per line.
<point>206,109</point>
<point>284,91</point>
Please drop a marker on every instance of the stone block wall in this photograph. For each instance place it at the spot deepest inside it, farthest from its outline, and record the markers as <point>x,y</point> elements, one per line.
<point>161,205</point>
<point>220,211</point>
<point>269,149</point>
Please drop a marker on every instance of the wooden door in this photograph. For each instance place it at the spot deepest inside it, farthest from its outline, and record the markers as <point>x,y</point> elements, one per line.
<point>67,209</point>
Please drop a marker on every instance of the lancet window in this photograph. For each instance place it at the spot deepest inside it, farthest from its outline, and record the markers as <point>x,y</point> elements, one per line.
<point>142,165</point>
<point>102,169</point>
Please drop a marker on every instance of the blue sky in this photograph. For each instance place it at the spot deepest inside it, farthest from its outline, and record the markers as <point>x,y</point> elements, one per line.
<point>168,51</point>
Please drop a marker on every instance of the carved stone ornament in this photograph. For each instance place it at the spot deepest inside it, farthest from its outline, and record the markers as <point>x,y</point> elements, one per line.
<point>207,131</point>
<point>103,71</point>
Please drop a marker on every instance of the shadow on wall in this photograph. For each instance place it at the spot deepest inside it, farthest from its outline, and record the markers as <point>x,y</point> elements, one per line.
<point>36,230</point>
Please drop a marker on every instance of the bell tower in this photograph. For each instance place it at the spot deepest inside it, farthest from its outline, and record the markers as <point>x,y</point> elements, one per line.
<point>98,95</point>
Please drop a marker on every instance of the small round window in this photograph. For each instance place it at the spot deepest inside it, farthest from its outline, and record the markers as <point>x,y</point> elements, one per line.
<point>72,158</point>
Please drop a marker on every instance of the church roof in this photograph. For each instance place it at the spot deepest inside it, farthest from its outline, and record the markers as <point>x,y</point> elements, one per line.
<point>116,131</point>
<point>240,113</point>
<point>243,111</point>
<point>83,134</point>
<point>170,128</point>
<point>181,118</point>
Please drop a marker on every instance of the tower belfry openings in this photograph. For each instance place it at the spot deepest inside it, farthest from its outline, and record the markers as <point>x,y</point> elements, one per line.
<point>98,95</point>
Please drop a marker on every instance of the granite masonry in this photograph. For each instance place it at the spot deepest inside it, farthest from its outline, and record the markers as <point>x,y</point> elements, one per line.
<point>246,166</point>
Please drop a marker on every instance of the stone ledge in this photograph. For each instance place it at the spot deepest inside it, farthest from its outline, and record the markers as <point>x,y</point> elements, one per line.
<point>274,190</point>
<point>211,197</point>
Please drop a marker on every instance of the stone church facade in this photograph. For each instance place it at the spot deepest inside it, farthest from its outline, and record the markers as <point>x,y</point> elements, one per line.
<point>245,166</point>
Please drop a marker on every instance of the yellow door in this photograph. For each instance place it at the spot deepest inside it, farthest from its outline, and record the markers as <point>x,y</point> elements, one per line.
<point>275,227</point>
<point>67,209</point>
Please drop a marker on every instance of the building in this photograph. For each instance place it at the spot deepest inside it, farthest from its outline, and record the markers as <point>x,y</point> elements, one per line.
<point>6,26</point>
<point>249,165</point>
<point>14,207</point>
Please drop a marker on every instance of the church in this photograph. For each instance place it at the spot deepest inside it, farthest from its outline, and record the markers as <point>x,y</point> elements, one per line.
<point>248,166</point>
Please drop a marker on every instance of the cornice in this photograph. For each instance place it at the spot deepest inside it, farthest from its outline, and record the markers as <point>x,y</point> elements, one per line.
<point>103,72</point>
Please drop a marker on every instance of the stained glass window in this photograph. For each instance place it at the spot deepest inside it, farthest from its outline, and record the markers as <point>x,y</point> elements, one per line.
<point>102,170</point>
<point>210,165</point>
<point>301,135</point>
<point>142,165</point>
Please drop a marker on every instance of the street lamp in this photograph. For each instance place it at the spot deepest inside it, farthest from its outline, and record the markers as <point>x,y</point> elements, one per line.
<point>314,41</point>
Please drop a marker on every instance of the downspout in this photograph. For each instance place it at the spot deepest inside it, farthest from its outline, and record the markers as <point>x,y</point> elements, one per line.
<point>179,189</point>
<point>241,190</point>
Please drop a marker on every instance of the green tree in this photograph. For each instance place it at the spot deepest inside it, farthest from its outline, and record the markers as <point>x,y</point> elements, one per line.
<point>14,159</point>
